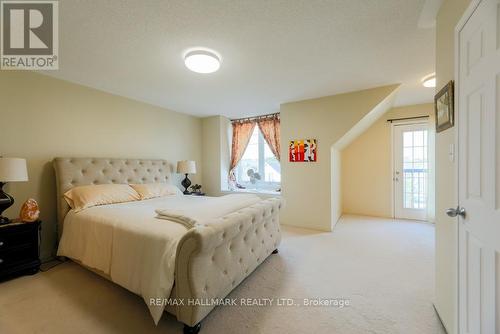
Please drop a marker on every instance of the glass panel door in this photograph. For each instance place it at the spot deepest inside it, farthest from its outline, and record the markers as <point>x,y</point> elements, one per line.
<point>411,171</point>
<point>415,169</point>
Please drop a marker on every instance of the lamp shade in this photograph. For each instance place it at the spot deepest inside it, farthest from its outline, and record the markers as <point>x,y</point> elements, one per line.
<point>186,167</point>
<point>13,170</point>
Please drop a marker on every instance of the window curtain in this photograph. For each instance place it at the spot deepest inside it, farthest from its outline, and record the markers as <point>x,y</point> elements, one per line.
<point>242,131</point>
<point>270,128</point>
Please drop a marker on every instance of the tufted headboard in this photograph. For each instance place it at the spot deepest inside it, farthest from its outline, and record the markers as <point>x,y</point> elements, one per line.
<point>73,172</point>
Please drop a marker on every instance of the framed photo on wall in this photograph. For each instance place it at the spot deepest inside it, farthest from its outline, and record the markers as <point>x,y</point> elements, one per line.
<point>444,107</point>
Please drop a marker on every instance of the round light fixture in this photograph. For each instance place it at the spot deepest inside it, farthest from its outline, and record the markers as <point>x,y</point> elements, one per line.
<point>202,61</point>
<point>429,81</point>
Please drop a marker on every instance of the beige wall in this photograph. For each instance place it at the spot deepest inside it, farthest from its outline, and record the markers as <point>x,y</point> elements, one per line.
<point>367,166</point>
<point>216,154</point>
<point>212,162</point>
<point>446,228</point>
<point>43,118</point>
<point>307,187</point>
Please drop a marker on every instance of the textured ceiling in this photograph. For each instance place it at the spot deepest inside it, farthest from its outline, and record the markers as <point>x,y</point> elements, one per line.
<point>273,51</point>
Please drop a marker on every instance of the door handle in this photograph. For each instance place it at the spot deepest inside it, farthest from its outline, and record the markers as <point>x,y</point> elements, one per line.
<point>456,212</point>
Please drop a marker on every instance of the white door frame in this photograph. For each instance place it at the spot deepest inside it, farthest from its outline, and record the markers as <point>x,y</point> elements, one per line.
<point>458,28</point>
<point>430,152</point>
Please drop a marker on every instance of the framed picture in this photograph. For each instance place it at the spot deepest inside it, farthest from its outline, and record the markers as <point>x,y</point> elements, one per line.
<point>444,106</point>
<point>302,150</point>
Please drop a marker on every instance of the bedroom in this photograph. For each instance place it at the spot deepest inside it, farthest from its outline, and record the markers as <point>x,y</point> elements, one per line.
<point>288,137</point>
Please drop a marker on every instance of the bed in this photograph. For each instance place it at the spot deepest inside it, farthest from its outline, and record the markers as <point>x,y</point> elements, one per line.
<point>207,261</point>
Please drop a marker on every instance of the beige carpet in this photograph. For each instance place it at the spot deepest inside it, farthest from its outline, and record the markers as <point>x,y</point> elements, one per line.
<point>384,268</point>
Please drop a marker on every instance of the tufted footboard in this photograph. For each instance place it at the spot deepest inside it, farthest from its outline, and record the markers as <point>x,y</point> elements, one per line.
<point>214,258</point>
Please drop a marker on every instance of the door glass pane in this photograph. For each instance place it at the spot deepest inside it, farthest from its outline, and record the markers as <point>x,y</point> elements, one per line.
<point>419,138</point>
<point>407,139</point>
<point>415,169</point>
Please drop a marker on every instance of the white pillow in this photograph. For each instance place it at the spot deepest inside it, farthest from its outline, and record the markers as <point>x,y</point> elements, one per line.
<point>84,197</point>
<point>152,190</point>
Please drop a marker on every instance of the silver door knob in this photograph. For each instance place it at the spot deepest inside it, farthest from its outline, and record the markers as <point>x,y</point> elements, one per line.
<point>456,212</point>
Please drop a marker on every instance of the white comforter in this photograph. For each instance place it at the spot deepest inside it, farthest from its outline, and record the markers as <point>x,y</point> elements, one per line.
<point>137,250</point>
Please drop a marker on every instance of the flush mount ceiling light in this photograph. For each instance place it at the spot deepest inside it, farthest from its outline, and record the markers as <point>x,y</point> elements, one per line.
<point>202,61</point>
<point>429,81</point>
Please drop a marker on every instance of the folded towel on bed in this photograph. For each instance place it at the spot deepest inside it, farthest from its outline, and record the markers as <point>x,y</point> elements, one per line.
<point>177,216</point>
<point>192,210</point>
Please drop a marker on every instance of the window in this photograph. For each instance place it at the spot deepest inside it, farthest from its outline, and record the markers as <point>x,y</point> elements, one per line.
<point>258,169</point>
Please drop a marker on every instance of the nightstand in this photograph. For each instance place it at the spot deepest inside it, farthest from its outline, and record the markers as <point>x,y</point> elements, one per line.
<point>19,249</point>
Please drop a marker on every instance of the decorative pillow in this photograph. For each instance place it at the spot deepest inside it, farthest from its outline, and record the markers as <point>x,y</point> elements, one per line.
<point>84,197</point>
<point>152,190</point>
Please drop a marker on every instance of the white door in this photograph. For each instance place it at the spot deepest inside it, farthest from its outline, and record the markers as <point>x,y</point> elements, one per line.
<point>411,171</point>
<point>478,86</point>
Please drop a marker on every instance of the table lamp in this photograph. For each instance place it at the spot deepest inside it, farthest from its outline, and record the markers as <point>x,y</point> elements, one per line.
<point>11,170</point>
<point>186,167</point>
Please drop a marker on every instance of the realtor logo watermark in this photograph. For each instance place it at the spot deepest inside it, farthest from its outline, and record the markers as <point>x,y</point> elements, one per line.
<point>29,35</point>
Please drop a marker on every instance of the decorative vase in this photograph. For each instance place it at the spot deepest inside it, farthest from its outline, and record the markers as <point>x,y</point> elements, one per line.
<point>29,211</point>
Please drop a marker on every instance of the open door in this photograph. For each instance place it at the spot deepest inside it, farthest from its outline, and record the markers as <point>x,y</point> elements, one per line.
<point>478,87</point>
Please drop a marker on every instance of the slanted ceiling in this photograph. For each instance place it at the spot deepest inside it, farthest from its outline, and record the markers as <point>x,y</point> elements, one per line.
<point>367,121</point>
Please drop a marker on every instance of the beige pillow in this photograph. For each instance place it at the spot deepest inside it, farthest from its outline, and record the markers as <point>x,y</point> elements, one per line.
<point>152,190</point>
<point>84,197</point>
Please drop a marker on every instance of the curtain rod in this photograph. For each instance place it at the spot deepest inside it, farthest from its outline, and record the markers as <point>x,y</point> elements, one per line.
<point>406,118</point>
<point>249,119</point>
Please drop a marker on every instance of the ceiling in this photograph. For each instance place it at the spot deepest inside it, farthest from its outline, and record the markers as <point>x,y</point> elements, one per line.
<point>273,51</point>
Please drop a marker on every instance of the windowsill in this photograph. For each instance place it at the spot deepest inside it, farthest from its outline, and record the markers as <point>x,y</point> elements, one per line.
<point>252,191</point>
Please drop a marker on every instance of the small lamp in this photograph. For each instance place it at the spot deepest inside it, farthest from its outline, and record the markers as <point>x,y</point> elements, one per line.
<point>11,170</point>
<point>186,167</point>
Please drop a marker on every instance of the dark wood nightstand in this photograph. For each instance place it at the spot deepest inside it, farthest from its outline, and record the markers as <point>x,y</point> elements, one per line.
<point>19,249</point>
